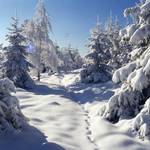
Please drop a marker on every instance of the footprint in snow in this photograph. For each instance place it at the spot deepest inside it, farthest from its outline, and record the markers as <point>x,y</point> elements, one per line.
<point>55,104</point>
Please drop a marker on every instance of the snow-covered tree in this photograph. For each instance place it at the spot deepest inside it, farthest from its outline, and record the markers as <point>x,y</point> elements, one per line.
<point>120,49</point>
<point>11,117</point>
<point>2,56</point>
<point>37,32</point>
<point>16,66</point>
<point>69,58</point>
<point>128,101</point>
<point>96,68</point>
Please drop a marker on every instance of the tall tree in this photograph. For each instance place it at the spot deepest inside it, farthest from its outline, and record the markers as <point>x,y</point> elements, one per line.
<point>16,66</point>
<point>37,31</point>
<point>120,49</point>
<point>132,99</point>
<point>96,69</point>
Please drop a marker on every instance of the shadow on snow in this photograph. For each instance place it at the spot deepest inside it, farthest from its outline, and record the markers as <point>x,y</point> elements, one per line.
<point>78,92</point>
<point>29,139</point>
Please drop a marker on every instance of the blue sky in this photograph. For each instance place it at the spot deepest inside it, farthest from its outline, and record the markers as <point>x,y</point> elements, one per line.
<point>71,19</point>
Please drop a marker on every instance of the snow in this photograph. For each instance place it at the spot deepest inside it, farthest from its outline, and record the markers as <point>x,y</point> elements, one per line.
<point>136,52</point>
<point>138,80</point>
<point>121,74</point>
<point>128,31</point>
<point>147,68</point>
<point>108,136</point>
<point>66,110</point>
<point>11,117</point>
<point>140,34</point>
<point>61,118</point>
<point>56,115</point>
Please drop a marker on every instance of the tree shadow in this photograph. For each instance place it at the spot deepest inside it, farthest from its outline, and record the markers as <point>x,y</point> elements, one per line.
<point>78,92</point>
<point>29,139</point>
<point>44,89</point>
<point>91,92</point>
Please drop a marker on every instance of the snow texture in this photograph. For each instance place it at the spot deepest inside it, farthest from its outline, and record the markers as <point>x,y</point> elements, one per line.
<point>121,74</point>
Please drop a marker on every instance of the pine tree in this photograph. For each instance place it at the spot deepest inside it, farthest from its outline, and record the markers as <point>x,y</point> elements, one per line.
<point>120,49</point>
<point>16,66</point>
<point>132,99</point>
<point>96,68</point>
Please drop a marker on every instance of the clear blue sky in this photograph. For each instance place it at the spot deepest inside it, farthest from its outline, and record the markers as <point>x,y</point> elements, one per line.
<point>68,17</point>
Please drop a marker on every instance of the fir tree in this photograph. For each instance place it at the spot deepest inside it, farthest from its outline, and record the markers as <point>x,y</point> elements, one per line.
<point>120,49</point>
<point>132,99</point>
<point>96,68</point>
<point>16,66</point>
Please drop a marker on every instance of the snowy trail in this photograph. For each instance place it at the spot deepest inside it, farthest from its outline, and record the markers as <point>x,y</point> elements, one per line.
<point>51,109</point>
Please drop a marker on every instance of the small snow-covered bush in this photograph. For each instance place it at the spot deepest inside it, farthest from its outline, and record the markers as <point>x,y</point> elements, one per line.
<point>92,74</point>
<point>10,114</point>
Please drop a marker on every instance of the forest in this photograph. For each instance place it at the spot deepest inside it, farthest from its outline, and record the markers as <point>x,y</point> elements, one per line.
<point>54,98</point>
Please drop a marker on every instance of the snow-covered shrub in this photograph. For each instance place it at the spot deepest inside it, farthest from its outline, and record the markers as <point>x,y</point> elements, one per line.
<point>94,74</point>
<point>10,114</point>
<point>16,66</point>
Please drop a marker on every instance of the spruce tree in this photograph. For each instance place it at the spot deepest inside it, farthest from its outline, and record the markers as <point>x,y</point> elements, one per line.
<point>16,66</point>
<point>132,99</point>
<point>96,68</point>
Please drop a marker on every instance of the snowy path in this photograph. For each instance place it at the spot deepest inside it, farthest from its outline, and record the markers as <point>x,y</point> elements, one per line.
<point>51,110</point>
<point>54,110</point>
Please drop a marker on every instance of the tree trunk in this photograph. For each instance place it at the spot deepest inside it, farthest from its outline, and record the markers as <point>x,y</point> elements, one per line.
<point>38,76</point>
